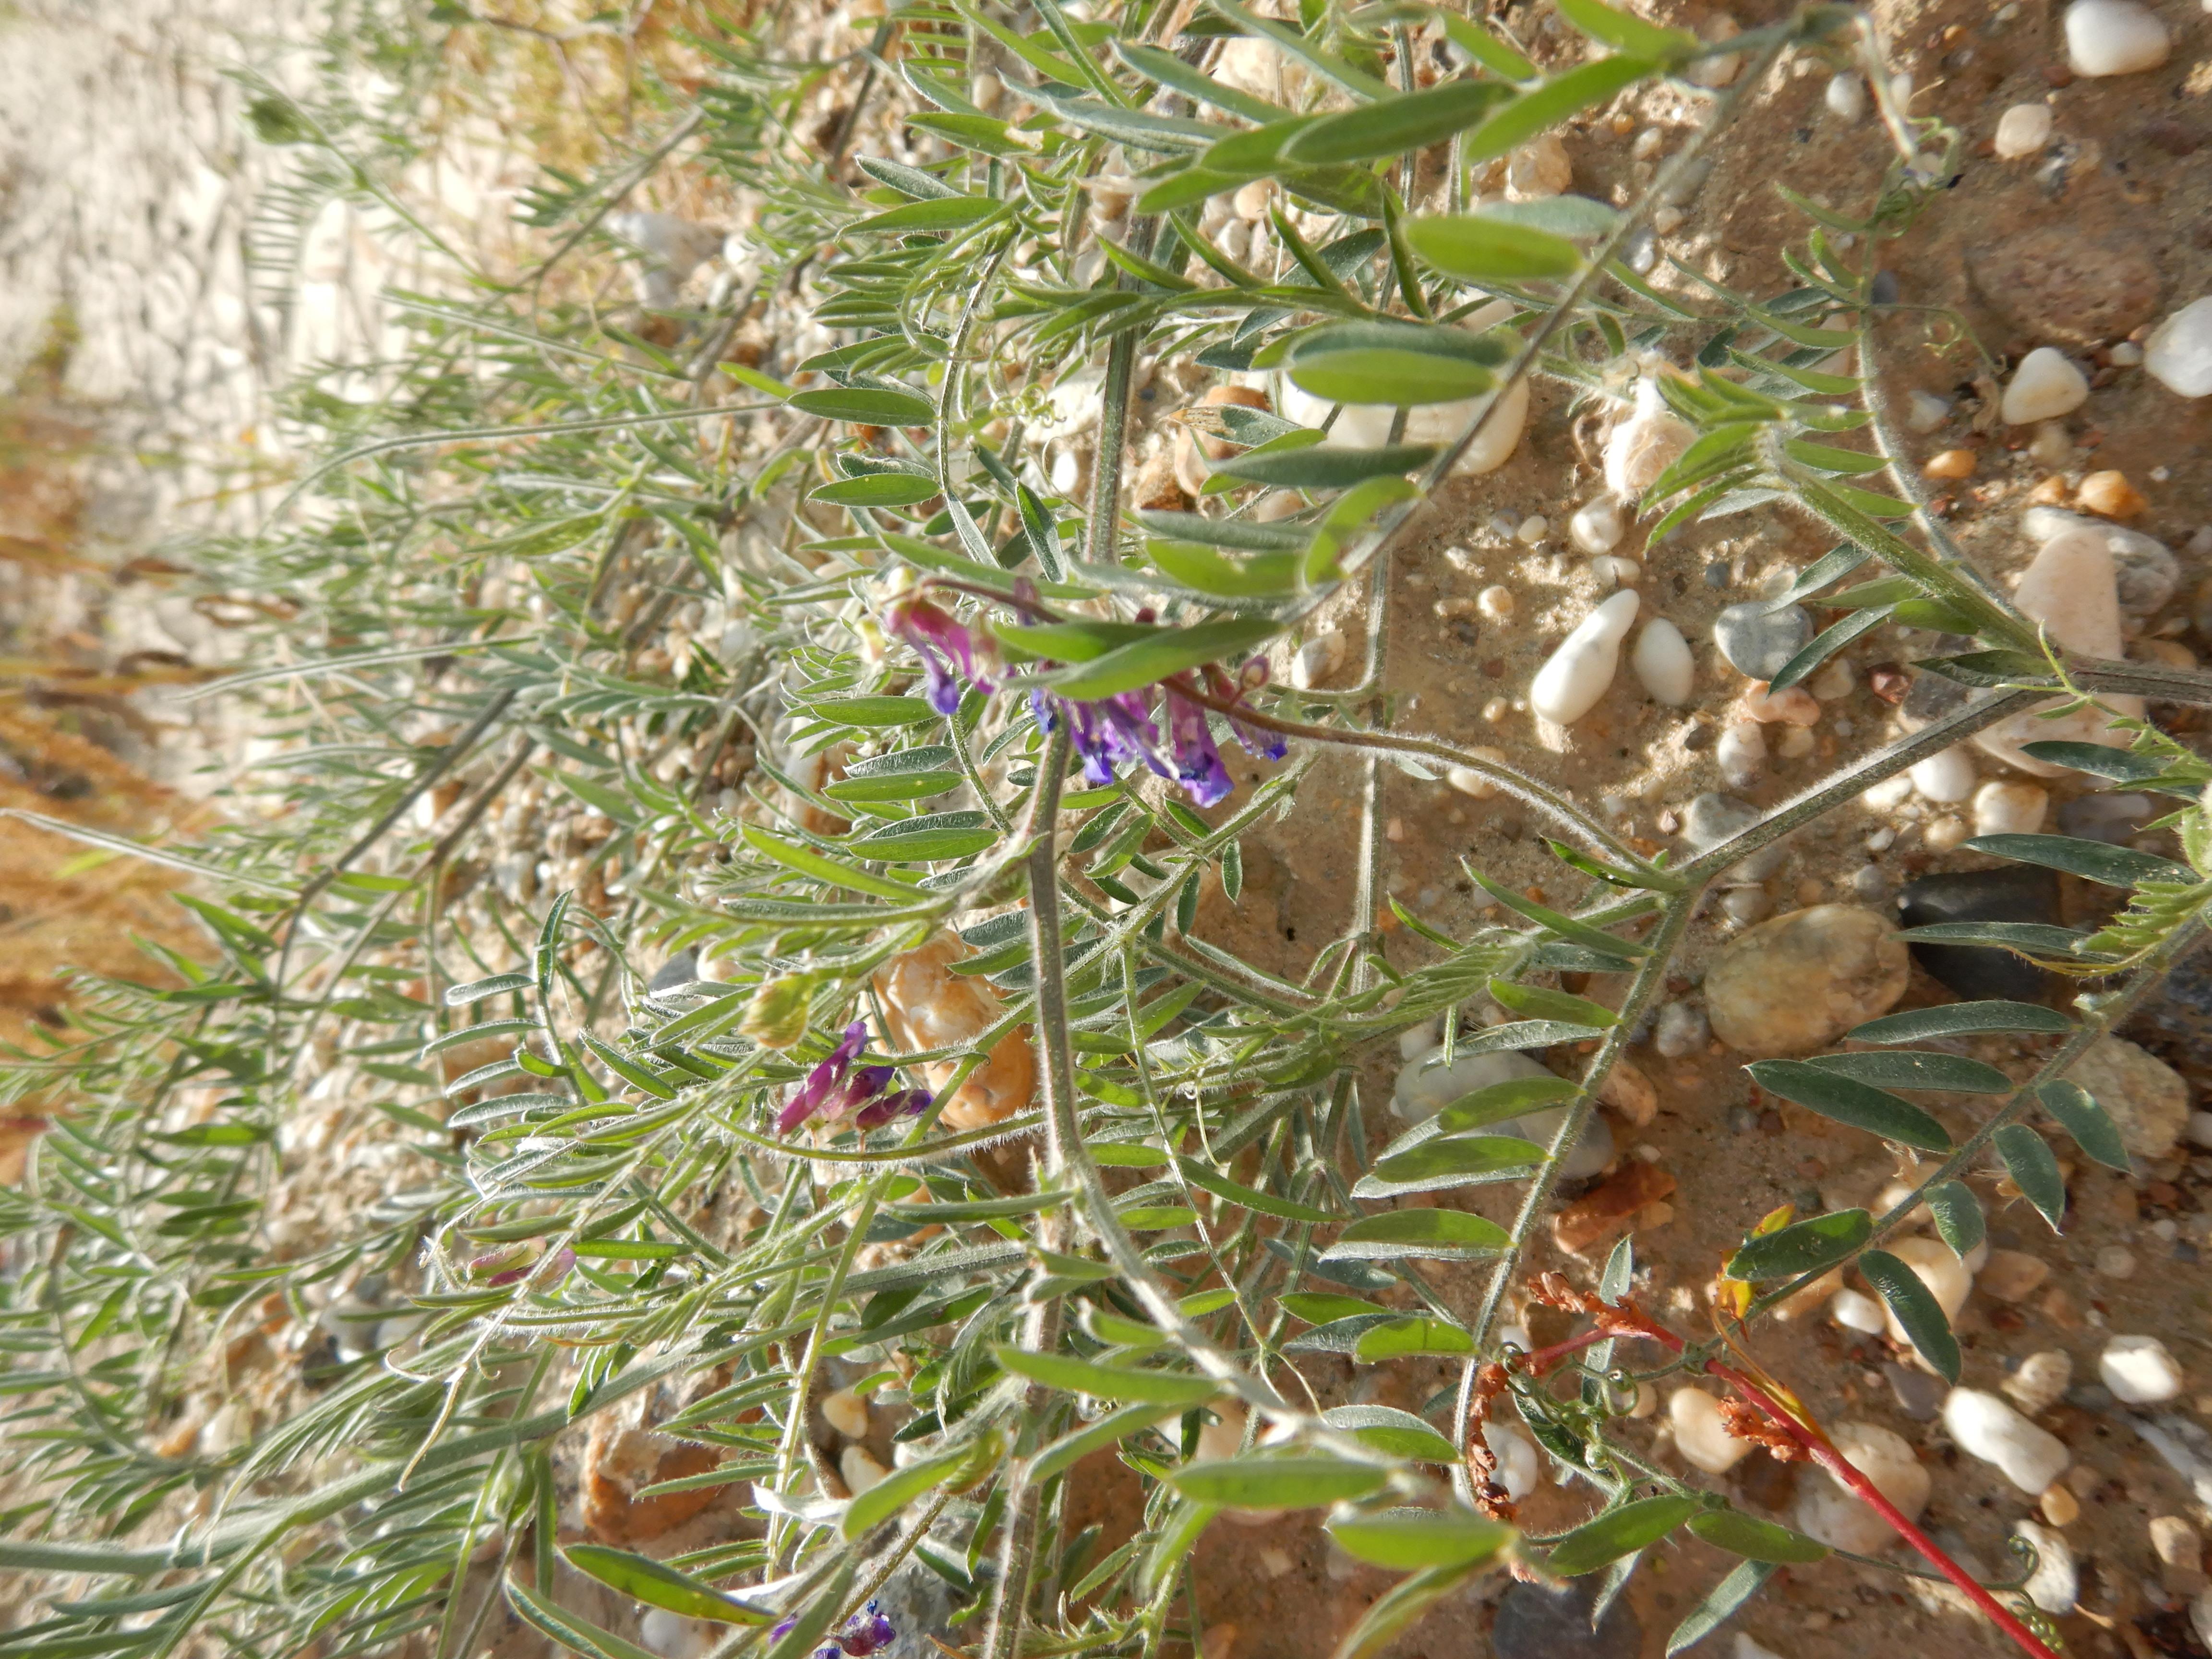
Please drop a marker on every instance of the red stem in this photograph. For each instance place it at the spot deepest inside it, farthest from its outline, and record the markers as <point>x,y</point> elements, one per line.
<point>1817,1447</point>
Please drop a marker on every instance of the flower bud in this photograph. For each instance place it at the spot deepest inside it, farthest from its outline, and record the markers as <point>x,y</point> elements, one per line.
<point>777,1017</point>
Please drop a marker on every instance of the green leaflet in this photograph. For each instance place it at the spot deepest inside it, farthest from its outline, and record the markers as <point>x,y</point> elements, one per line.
<point>1802,1247</point>
<point>1263,1481</point>
<point>1438,1235</point>
<point>864,406</point>
<point>1834,1096</point>
<point>1959,1019</point>
<point>1401,1434</point>
<point>1170,651</point>
<point>1552,103</point>
<point>658,1585</point>
<point>1917,1310</point>
<point>1392,125</point>
<point>2028,1161</point>
<point>1757,1541</point>
<point>1405,1540</point>
<point>2090,1125</point>
<point>1623,1531</point>
<point>1481,247</point>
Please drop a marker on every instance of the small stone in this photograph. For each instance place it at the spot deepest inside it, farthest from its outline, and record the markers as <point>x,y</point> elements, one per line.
<point>847,1412</point>
<point>1945,833</point>
<point>860,1470</point>
<point>1987,1428</point>
<point>2180,1554</point>
<point>2023,131</point>
<point>1474,785</point>
<point>673,974</point>
<point>2059,1506</point>
<point>1630,1093</point>
<point>1791,706</point>
<point>1846,96</point>
<point>1598,524</point>
<point>1925,411</point>
<point>1759,644</point>
<point>2012,1275</point>
<point>1532,530</point>
<point>1536,1623</point>
<point>2146,1099</point>
<point>1946,778</point>
<point>2111,494</point>
<point>1701,1433</point>
<point>1663,663</point>
<point>2045,386</point>
<point>2041,1381</point>
<point>1791,984</point>
<point>1317,660</point>
<point>1854,1310</point>
<point>1539,168</point>
<point>2178,355</point>
<point>1950,464</point>
<point>1616,1202</point>
<point>2072,587</point>
<point>2145,573</point>
<point>1425,1087</point>
<point>1495,602</point>
<point>1744,905</point>
<point>1828,1511</point>
<point>1973,971</point>
<point>2200,1617</point>
<point>1741,754</point>
<point>1580,670</point>
<point>2114,37</point>
<point>2055,283</point>
<point>1682,1030</point>
<point>1834,682</point>
<point>2139,1370</point>
<point>2009,809</point>
<point>1919,1396</point>
<point>2055,1583</point>
<point>2115,1262</point>
<point>1722,68</point>
<point>1712,818</point>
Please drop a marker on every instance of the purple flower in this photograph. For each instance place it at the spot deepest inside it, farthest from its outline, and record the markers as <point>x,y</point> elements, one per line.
<point>940,639</point>
<point>824,1081</point>
<point>1197,762</point>
<point>912,1102</point>
<point>1269,746</point>
<point>867,1631</point>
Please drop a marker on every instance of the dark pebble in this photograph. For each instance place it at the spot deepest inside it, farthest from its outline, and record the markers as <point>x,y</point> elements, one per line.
<point>2176,1020</point>
<point>1885,289</point>
<point>1742,1120</point>
<point>1930,698</point>
<point>1919,1396</point>
<point>1717,573</point>
<point>1977,971</point>
<point>1759,642</point>
<point>673,974</point>
<point>1535,1623</point>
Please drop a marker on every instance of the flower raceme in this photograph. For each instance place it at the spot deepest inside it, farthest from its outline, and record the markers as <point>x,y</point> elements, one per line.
<point>836,1087</point>
<point>865,1632</point>
<point>1107,733</point>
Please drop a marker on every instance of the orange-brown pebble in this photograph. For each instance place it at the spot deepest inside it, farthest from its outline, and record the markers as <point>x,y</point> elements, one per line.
<point>2111,494</point>
<point>620,1462</point>
<point>2051,492</point>
<point>926,1006</point>
<point>1951,463</point>
<point>1792,706</point>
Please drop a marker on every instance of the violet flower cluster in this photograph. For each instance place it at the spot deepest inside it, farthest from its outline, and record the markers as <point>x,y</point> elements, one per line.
<point>1107,732</point>
<point>837,1087</point>
<point>865,1632</point>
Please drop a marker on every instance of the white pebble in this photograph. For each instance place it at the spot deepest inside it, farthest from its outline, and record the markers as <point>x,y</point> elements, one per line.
<point>1474,784</point>
<point>1520,1469</point>
<point>1663,662</point>
<point>1856,1310</point>
<point>1577,674</point>
<point>1833,682</point>
<point>2179,353</point>
<point>2009,809</point>
<point>1534,529</point>
<point>2200,1617</point>
<point>1925,410</point>
<point>1846,96</point>
<point>2200,1129</point>
<point>2055,1583</point>
<point>2116,1261</point>
<point>1946,778</point>
<point>1495,602</point>
<point>1747,1649</point>
<point>1317,660</point>
<point>2114,37</point>
<point>671,1635</point>
<point>1987,1428</point>
<point>847,1412</point>
<point>2045,386</point>
<point>1597,525</point>
<point>2023,129</point>
<point>1944,833</point>
<point>1701,1433</point>
<point>2052,446</point>
<point>1829,1512</point>
<point>2139,1370</point>
<point>2041,1381</point>
<point>1887,795</point>
<point>1613,571</point>
<point>859,1470</point>
<point>2129,355</point>
<point>1741,754</point>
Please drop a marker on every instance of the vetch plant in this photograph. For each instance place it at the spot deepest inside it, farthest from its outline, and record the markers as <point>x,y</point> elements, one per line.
<point>792,637</point>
